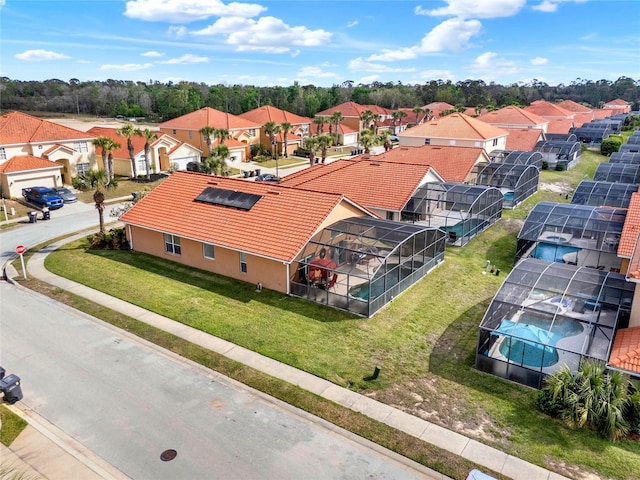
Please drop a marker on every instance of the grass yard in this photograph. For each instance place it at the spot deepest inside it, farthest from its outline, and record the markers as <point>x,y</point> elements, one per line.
<point>424,340</point>
<point>12,425</point>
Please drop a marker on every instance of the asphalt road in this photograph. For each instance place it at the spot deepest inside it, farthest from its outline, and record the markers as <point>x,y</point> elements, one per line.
<point>128,401</point>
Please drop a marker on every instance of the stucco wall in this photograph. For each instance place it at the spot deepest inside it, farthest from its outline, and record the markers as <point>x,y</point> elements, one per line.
<point>271,274</point>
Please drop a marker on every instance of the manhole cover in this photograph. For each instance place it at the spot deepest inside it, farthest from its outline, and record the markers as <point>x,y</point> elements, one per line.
<point>168,455</point>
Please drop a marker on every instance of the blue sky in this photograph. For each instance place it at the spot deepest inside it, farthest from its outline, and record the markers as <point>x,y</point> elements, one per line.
<point>321,42</point>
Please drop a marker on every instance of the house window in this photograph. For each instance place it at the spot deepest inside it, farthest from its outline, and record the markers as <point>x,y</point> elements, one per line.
<point>81,147</point>
<point>208,251</point>
<point>190,135</point>
<point>243,262</point>
<point>252,132</point>
<point>142,165</point>
<point>427,141</point>
<point>82,168</point>
<point>174,131</point>
<point>172,244</point>
<point>389,215</point>
<point>3,154</point>
<point>495,142</point>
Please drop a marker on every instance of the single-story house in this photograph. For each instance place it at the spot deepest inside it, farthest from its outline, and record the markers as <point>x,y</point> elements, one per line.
<point>28,171</point>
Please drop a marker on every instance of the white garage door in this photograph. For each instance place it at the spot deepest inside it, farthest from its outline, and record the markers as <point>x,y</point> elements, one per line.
<point>181,162</point>
<point>48,181</point>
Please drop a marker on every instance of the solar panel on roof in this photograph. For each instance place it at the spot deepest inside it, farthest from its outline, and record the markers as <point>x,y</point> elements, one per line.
<point>228,198</point>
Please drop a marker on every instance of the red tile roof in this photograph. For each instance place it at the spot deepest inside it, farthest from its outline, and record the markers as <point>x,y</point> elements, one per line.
<point>631,228</point>
<point>618,102</point>
<point>268,113</point>
<point>353,109</point>
<point>559,125</point>
<point>605,112</point>
<point>277,226</point>
<point>574,106</point>
<point>20,128</point>
<point>548,109</point>
<point>512,115</point>
<point>456,125</point>
<point>453,164</point>
<point>210,117</point>
<point>625,352</point>
<point>122,152</point>
<point>523,139</point>
<point>368,181</point>
<point>21,163</point>
<point>582,118</point>
<point>439,106</point>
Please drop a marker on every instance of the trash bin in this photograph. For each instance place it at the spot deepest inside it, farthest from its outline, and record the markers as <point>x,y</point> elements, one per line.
<point>10,386</point>
<point>246,174</point>
<point>257,172</point>
<point>46,215</point>
<point>33,217</point>
<point>135,195</point>
<point>2,372</point>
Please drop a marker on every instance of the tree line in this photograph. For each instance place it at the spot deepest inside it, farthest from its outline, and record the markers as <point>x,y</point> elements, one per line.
<point>157,101</point>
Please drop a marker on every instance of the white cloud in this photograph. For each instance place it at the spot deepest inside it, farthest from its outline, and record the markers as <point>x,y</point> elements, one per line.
<point>368,79</point>
<point>267,34</point>
<point>185,11</point>
<point>40,56</point>
<point>352,24</point>
<point>360,65</point>
<point>152,53</point>
<point>388,55</point>
<point>490,64</point>
<point>315,72</point>
<point>539,61</point>
<point>186,58</point>
<point>439,74</point>
<point>453,34</point>
<point>177,32</point>
<point>550,6</point>
<point>127,67</point>
<point>475,8</point>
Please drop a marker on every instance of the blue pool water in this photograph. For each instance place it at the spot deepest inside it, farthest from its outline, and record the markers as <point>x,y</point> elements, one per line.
<point>469,227</point>
<point>551,252</point>
<point>509,196</point>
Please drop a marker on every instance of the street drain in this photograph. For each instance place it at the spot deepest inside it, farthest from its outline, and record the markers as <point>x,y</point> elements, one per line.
<point>168,455</point>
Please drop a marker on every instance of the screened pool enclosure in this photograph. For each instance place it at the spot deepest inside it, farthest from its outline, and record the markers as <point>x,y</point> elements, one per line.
<point>547,315</point>
<point>518,157</point>
<point>516,182</point>
<point>461,211</point>
<point>622,157</point>
<point>603,194</point>
<point>360,264</point>
<point>617,172</point>
<point>580,235</point>
<point>558,153</point>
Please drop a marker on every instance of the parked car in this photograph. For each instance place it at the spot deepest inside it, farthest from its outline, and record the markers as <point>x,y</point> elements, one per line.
<point>43,197</point>
<point>267,177</point>
<point>394,138</point>
<point>478,475</point>
<point>67,195</point>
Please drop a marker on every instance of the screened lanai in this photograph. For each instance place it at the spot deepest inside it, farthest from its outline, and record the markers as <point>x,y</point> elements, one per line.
<point>617,172</point>
<point>558,153</point>
<point>517,157</point>
<point>360,264</point>
<point>580,235</point>
<point>460,210</point>
<point>630,147</point>
<point>516,182</point>
<point>603,194</point>
<point>547,315</point>
<point>591,133</point>
<point>625,157</point>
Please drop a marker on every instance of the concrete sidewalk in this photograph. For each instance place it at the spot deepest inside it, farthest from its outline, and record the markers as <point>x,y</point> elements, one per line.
<point>470,449</point>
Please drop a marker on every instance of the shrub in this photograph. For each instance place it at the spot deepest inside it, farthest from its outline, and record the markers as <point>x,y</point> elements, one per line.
<point>610,145</point>
<point>114,239</point>
<point>545,165</point>
<point>80,183</point>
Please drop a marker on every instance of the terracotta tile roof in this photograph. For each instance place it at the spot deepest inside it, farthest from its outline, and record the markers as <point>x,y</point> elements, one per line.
<point>618,102</point>
<point>574,106</point>
<point>512,115</point>
<point>268,113</point>
<point>452,164</point>
<point>625,352</point>
<point>21,163</point>
<point>278,226</point>
<point>548,109</point>
<point>439,106</point>
<point>122,152</point>
<point>353,109</point>
<point>456,125</point>
<point>411,116</point>
<point>210,117</point>
<point>523,139</point>
<point>367,181</point>
<point>582,118</point>
<point>631,228</point>
<point>559,125</point>
<point>20,128</point>
<point>56,147</point>
<point>606,112</point>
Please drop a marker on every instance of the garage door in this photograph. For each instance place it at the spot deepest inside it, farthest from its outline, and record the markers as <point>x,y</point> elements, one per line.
<point>180,163</point>
<point>49,181</point>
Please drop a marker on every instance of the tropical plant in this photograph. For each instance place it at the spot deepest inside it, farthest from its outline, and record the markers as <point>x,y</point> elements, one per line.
<point>320,121</point>
<point>418,110</point>
<point>149,137</point>
<point>285,128</point>
<point>221,134</point>
<point>397,116</point>
<point>215,165</point>
<point>272,129</point>
<point>102,142</point>
<point>366,118</point>
<point>368,139</point>
<point>312,144</point>
<point>128,131</point>
<point>101,182</point>
<point>385,140</point>
<point>207,133</point>
<point>336,118</point>
<point>324,142</point>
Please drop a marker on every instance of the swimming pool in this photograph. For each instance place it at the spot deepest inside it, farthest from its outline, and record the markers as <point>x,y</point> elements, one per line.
<point>551,252</point>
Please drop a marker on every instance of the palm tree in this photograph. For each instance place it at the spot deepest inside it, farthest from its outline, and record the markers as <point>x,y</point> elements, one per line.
<point>149,137</point>
<point>399,115</point>
<point>368,139</point>
<point>366,118</point>
<point>312,144</point>
<point>320,121</point>
<point>324,142</point>
<point>128,131</point>
<point>107,146</point>
<point>102,182</point>
<point>336,118</point>
<point>216,163</point>
<point>221,134</point>
<point>376,119</point>
<point>384,139</point>
<point>207,132</point>
<point>417,110</point>
<point>427,114</point>
<point>272,129</point>
<point>285,128</point>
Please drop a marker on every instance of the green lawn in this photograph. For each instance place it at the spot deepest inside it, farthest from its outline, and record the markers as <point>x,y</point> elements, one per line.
<point>424,340</point>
